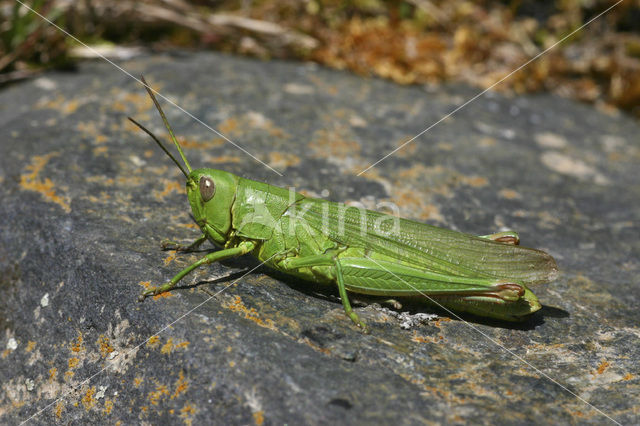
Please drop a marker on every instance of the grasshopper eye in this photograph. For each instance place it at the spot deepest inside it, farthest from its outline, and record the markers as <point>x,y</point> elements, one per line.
<point>207,188</point>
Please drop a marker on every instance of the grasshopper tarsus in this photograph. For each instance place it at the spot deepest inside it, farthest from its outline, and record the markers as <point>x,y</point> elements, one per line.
<point>172,245</point>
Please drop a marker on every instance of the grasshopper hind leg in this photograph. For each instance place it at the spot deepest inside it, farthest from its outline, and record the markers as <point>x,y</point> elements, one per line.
<point>327,259</point>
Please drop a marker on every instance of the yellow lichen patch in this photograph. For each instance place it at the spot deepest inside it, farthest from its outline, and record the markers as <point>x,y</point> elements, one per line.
<point>78,345</point>
<point>31,181</point>
<point>88,400</point>
<point>258,417</point>
<point>160,392</point>
<point>169,187</point>
<point>68,375</point>
<point>228,126</point>
<point>249,313</point>
<point>509,194</point>
<point>59,408</point>
<point>30,346</point>
<point>153,341</point>
<point>73,362</point>
<point>100,150</point>
<point>423,339</point>
<point>406,150</point>
<point>189,225</point>
<point>125,100</point>
<point>201,144</point>
<point>474,181</point>
<point>487,142</point>
<point>332,144</point>
<point>601,368</point>
<point>170,257</point>
<point>227,159</point>
<point>53,373</point>
<point>407,199</point>
<point>627,376</point>
<point>108,406</point>
<point>101,180</point>
<point>104,345</point>
<point>137,381</point>
<point>169,347</point>
<point>258,121</point>
<point>186,412</point>
<point>181,385</point>
<point>283,159</point>
<point>59,104</point>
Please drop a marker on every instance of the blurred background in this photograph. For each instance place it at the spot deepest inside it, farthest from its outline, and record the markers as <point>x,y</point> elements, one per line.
<point>409,42</point>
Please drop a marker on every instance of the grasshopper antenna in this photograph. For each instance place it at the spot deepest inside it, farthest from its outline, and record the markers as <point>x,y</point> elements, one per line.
<point>147,131</point>
<point>166,123</point>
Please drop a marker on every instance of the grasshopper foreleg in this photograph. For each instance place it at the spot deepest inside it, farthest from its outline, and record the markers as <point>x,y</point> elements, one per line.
<point>242,248</point>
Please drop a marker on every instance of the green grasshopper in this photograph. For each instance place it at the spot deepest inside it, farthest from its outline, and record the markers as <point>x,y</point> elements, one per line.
<point>361,251</point>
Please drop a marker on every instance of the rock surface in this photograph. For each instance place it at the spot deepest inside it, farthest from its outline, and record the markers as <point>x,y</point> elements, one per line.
<point>86,201</point>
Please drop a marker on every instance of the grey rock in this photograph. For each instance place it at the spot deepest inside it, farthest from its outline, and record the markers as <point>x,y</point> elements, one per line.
<point>86,201</point>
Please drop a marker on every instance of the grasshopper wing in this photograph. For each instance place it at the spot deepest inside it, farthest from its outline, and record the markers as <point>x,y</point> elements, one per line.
<point>428,247</point>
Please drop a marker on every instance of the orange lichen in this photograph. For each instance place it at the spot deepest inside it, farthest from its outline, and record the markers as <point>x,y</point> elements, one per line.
<point>509,194</point>
<point>333,144</point>
<point>602,367</point>
<point>147,285</point>
<point>137,381</point>
<point>53,373</point>
<point>181,385</point>
<point>228,126</point>
<point>227,159</point>
<point>60,104</point>
<point>169,347</point>
<point>78,345</point>
<point>59,408</point>
<point>104,345</point>
<point>108,406</point>
<point>100,150</point>
<point>153,341</point>
<point>258,417</point>
<point>31,181</point>
<point>186,412</point>
<point>283,159</point>
<point>160,392</point>
<point>88,400</point>
<point>169,187</point>
<point>73,362</point>
<point>422,339</point>
<point>30,346</point>
<point>249,313</point>
<point>170,257</point>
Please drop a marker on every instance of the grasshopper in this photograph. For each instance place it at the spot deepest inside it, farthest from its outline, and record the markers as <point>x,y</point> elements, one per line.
<point>361,251</point>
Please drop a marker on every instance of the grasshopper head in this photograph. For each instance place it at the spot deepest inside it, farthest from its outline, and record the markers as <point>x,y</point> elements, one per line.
<point>211,195</point>
<point>211,192</point>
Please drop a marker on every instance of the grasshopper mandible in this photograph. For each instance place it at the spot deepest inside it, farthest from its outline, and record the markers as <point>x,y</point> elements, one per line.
<point>360,251</point>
